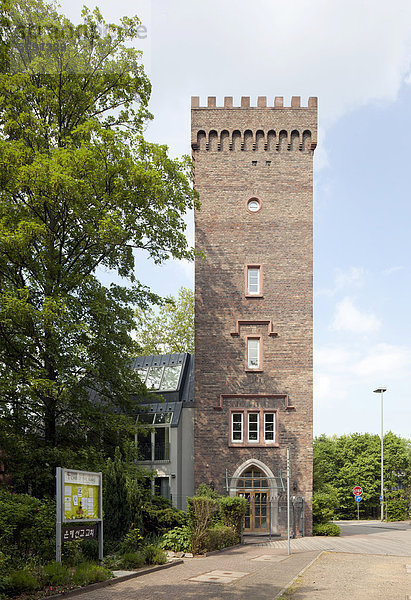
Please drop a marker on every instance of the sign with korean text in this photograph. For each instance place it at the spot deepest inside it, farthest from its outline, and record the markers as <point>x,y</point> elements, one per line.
<point>70,533</point>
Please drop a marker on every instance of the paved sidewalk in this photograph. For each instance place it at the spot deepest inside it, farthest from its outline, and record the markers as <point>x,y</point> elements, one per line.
<point>348,576</point>
<point>244,573</point>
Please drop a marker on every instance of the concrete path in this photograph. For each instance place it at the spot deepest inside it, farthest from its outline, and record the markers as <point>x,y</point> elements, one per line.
<point>370,561</point>
<point>244,572</point>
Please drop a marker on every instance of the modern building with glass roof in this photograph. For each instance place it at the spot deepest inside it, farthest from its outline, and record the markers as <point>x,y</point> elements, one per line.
<point>167,445</point>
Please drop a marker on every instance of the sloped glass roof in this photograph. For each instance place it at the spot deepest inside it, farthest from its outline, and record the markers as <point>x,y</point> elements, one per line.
<point>162,379</point>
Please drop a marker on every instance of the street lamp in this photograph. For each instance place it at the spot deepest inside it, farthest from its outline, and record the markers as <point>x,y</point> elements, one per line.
<point>381,391</point>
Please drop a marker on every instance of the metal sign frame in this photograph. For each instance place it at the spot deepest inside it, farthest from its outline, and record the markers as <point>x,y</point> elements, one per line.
<point>85,479</point>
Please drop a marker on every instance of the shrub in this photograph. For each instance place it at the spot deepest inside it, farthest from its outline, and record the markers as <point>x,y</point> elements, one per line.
<point>201,511</point>
<point>397,506</point>
<point>71,553</point>
<point>205,490</point>
<point>56,574</point>
<point>326,529</point>
<point>133,560</point>
<point>219,537</point>
<point>232,510</point>
<point>160,520</point>
<point>177,539</point>
<point>154,555</point>
<point>325,503</point>
<point>132,541</point>
<point>27,528</point>
<point>22,581</point>
<point>87,573</point>
<point>89,550</point>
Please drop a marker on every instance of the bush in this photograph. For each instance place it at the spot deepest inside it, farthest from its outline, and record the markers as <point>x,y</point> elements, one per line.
<point>87,573</point>
<point>326,529</point>
<point>160,520</point>
<point>132,541</point>
<point>177,539</point>
<point>205,490</point>
<point>325,503</point>
<point>154,555</point>
<point>397,506</point>
<point>56,574</point>
<point>27,528</point>
<point>219,537</point>
<point>22,581</point>
<point>133,560</point>
<point>201,511</point>
<point>232,510</point>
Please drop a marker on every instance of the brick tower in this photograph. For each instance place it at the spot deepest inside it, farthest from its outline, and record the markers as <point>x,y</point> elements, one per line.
<point>253,304</point>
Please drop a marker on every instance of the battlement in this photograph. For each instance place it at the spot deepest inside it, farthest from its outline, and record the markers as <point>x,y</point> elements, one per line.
<point>261,102</point>
<point>262,127</point>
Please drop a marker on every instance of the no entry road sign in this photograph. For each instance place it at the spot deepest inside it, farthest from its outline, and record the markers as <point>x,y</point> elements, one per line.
<point>357,491</point>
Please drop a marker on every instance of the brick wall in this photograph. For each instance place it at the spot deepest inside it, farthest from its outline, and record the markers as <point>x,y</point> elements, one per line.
<point>264,152</point>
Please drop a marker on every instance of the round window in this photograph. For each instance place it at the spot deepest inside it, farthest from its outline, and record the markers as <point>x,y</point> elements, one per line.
<point>254,205</point>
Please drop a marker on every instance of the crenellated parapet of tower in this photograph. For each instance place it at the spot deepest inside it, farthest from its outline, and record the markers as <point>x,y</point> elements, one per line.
<point>264,127</point>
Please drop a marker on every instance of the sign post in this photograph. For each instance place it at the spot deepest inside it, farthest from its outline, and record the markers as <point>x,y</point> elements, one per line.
<point>288,501</point>
<point>357,491</point>
<point>79,499</point>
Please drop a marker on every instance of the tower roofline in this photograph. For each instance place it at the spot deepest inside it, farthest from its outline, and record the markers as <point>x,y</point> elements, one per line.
<point>261,102</point>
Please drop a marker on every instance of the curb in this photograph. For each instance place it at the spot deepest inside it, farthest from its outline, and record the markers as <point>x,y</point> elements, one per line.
<point>281,592</point>
<point>108,582</point>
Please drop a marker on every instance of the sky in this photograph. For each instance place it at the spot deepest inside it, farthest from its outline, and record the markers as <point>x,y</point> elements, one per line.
<point>356,57</point>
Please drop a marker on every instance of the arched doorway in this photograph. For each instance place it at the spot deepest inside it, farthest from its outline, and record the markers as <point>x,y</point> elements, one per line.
<point>253,486</point>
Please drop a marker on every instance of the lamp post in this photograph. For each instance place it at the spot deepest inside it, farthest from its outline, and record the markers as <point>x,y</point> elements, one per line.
<point>381,391</point>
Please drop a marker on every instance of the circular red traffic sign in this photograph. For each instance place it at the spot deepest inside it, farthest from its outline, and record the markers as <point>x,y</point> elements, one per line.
<point>357,491</point>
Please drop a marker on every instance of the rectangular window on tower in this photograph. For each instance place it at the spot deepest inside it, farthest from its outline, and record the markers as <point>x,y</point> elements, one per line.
<point>253,428</point>
<point>269,427</point>
<point>253,281</point>
<point>237,427</point>
<point>253,357</point>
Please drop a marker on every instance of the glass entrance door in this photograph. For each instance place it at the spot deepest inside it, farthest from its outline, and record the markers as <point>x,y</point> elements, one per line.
<point>256,518</point>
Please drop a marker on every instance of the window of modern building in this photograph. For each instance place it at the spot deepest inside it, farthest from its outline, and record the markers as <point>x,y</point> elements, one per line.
<point>253,353</point>
<point>162,487</point>
<point>154,445</point>
<point>237,427</point>
<point>163,379</point>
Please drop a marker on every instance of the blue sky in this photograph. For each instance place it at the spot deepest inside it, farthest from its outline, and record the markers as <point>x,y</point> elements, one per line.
<point>356,57</point>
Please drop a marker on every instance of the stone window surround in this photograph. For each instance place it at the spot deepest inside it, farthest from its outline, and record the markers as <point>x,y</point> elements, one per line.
<point>261,443</point>
<point>260,280</point>
<point>254,336</point>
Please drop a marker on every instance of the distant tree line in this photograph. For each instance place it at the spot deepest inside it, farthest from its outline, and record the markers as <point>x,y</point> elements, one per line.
<point>341,463</point>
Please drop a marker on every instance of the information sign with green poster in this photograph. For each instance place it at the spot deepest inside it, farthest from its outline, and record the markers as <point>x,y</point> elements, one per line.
<point>81,495</point>
<point>79,498</point>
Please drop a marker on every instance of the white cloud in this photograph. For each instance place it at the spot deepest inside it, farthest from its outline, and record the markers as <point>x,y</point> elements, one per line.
<point>344,280</point>
<point>351,319</point>
<point>385,360</point>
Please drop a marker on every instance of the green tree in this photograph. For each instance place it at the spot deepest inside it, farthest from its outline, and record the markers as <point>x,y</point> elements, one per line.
<point>341,463</point>
<point>170,328</point>
<point>80,189</point>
